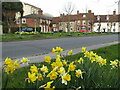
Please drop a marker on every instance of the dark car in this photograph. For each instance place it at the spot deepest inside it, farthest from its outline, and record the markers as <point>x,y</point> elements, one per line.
<point>27,29</point>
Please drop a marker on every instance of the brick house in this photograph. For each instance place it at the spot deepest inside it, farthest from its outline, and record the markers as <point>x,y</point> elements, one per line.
<point>77,22</point>
<point>107,23</point>
<point>37,21</point>
<point>87,21</point>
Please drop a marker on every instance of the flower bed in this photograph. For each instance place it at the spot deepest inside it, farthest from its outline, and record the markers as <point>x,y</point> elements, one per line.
<point>89,71</point>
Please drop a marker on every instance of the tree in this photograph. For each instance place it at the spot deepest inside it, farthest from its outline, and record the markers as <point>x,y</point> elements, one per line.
<point>68,9</point>
<point>9,10</point>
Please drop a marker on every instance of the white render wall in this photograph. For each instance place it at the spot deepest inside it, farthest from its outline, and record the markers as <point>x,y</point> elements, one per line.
<point>29,10</point>
<point>104,25</point>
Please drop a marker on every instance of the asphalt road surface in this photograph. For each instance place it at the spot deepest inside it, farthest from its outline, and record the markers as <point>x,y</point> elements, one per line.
<point>19,49</point>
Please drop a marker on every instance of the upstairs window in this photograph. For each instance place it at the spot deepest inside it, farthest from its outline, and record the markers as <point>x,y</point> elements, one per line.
<point>107,17</point>
<point>23,20</point>
<point>98,18</point>
<point>84,15</point>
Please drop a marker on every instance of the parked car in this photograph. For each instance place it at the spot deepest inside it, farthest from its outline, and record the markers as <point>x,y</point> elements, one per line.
<point>27,29</point>
<point>84,30</point>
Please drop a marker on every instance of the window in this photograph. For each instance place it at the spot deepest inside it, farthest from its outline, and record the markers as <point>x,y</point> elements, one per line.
<point>107,17</point>
<point>40,21</point>
<point>18,21</point>
<point>84,15</point>
<point>98,18</point>
<point>84,23</point>
<point>54,25</point>
<point>79,22</point>
<point>24,20</point>
<point>71,29</point>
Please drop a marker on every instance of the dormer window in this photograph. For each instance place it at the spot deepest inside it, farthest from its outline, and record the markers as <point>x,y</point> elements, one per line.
<point>107,17</point>
<point>98,18</point>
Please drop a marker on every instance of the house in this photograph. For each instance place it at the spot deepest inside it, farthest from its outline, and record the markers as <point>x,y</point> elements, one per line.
<point>76,22</point>
<point>42,22</point>
<point>33,17</point>
<point>87,22</point>
<point>107,23</point>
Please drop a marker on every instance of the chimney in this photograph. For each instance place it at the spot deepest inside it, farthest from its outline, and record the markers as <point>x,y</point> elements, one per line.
<point>60,14</point>
<point>40,12</point>
<point>114,12</point>
<point>89,11</point>
<point>77,11</point>
<point>63,14</point>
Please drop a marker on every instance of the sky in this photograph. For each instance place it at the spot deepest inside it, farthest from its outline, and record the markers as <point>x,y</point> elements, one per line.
<point>55,7</point>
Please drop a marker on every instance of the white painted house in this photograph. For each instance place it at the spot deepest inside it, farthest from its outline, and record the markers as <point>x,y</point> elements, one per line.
<point>107,23</point>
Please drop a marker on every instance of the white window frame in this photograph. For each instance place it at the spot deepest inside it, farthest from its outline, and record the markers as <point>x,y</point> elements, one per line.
<point>18,21</point>
<point>23,19</point>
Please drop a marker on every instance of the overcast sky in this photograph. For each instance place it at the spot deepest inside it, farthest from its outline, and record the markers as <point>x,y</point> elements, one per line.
<point>54,7</point>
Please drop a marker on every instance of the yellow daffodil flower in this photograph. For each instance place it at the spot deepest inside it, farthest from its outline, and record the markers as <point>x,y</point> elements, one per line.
<point>61,70</point>
<point>40,77</point>
<point>34,69</point>
<point>48,87</point>
<point>103,62</point>
<point>16,64</point>
<point>44,69</point>
<point>80,61</point>
<point>70,52</point>
<point>66,77</point>
<point>52,75</point>
<point>71,67</point>
<point>114,63</point>
<point>64,62</point>
<point>8,61</point>
<point>79,73</point>
<point>32,77</point>
<point>47,59</point>
<point>83,49</point>
<point>24,60</point>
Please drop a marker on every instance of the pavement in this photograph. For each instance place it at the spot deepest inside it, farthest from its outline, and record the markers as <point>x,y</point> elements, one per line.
<point>40,58</point>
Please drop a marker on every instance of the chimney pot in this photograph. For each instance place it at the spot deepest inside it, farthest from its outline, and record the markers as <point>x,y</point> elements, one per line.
<point>77,11</point>
<point>114,12</point>
<point>89,11</point>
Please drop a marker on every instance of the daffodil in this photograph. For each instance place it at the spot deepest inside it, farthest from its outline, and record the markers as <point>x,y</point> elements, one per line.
<point>83,49</point>
<point>16,64</point>
<point>66,77</point>
<point>8,61</point>
<point>47,59</point>
<point>114,63</point>
<point>34,69</point>
<point>57,50</point>
<point>32,77</point>
<point>48,86</point>
<point>52,75</point>
<point>44,69</point>
<point>103,62</point>
<point>80,61</point>
<point>64,62</point>
<point>61,70</point>
<point>9,70</point>
<point>71,67</point>
<point>24,60</point>
<point>70,52</point>
<point>79,73</point>
<point>40,77</point>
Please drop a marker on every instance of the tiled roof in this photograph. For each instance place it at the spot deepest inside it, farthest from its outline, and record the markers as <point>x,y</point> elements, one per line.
<point>112,18</point>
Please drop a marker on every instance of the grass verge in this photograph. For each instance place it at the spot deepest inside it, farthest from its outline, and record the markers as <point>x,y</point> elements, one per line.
<point>17,79</point>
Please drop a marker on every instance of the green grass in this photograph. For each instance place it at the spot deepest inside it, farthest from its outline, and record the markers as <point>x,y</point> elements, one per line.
<point>17,79</point>
<point>17,37</point>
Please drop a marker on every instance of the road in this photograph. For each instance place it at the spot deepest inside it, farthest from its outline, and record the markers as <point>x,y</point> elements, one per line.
<point>35,47</point>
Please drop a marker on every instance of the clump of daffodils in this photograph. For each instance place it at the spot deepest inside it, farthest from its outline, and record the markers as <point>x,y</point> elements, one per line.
<point>60,70</point>
<point>10,65</point>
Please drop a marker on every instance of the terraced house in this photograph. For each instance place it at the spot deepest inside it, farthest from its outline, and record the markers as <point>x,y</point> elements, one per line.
<point>87,22</point>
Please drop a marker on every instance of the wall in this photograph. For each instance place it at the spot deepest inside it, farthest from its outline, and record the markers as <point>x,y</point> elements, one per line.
<point>104,25</point>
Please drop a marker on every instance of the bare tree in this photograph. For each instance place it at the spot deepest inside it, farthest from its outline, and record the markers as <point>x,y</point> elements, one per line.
<point>68,9</point>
